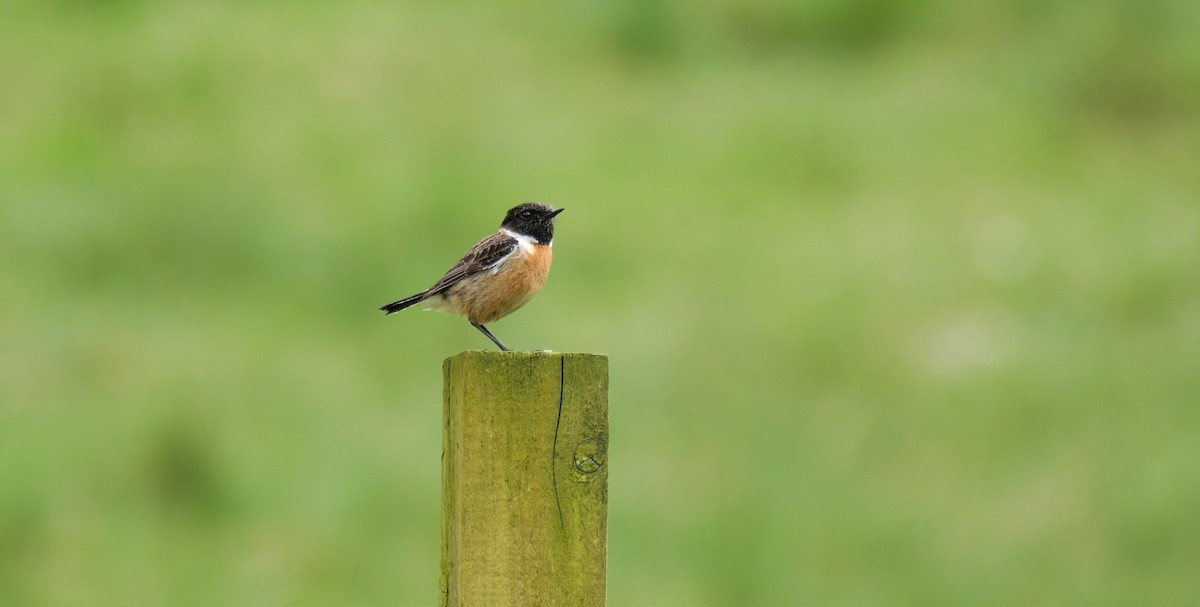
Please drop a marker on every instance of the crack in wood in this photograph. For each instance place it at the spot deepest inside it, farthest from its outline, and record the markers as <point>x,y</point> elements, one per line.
<point>562,380</point>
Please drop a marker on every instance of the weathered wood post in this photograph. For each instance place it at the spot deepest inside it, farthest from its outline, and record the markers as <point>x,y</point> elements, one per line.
<point>524,480</point>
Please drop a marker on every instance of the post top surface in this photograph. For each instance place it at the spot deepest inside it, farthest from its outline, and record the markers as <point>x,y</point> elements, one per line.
<point>496,355</point>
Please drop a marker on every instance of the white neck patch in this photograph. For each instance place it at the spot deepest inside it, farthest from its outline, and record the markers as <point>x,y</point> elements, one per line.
<point>524,241</point>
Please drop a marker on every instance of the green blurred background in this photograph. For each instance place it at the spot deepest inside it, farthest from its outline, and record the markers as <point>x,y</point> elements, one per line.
<point>902,299</point>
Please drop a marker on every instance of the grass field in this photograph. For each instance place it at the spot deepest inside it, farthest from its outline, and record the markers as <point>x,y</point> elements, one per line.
<point>902,299</point>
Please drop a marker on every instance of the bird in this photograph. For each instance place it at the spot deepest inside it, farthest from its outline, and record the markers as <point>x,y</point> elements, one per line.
<point>498,275</point>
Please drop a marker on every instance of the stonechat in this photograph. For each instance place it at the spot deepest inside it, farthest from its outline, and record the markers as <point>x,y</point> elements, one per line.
<point>499,274</point>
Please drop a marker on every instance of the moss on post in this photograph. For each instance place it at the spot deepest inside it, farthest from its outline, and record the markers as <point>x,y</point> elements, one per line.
<point>524,480</point>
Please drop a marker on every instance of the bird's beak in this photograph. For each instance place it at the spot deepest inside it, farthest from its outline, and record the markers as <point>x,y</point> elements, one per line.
<point>555,212</point>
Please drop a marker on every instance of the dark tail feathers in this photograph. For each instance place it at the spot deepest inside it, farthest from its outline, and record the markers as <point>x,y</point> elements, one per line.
<point>396,306</point>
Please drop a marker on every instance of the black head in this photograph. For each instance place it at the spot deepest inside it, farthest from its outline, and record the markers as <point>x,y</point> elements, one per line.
<point>532,219</point>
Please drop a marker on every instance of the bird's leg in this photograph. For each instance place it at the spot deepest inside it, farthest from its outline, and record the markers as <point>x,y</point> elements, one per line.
<point>490,336</point>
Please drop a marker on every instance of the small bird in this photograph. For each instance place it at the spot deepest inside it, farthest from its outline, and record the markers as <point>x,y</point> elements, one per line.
<point>499,274</point>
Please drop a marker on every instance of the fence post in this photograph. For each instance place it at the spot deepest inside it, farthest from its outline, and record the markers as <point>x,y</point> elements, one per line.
<point>524,480</point>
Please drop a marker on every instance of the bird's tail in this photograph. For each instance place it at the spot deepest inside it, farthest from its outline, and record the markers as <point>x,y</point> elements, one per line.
<point>396,306</point>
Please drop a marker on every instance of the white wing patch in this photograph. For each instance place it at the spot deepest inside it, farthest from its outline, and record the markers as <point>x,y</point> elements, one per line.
<point>525,246</point>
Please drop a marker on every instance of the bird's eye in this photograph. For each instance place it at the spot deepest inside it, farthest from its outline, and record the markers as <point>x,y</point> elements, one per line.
<point>526,214</point>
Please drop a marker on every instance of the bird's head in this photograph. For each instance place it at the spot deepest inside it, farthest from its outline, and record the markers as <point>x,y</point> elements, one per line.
<point>533,219</point>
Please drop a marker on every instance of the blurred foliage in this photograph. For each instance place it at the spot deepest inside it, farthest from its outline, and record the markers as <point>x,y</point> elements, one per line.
<point>902,299</point>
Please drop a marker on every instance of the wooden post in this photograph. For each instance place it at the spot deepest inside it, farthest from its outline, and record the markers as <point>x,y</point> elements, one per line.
<point>524,480</point>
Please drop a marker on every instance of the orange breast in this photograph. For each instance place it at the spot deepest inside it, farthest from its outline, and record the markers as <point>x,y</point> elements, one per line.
<point>490,296</point>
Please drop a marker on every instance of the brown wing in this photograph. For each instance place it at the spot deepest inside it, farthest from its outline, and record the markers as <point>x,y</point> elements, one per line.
<point>481,257</point>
